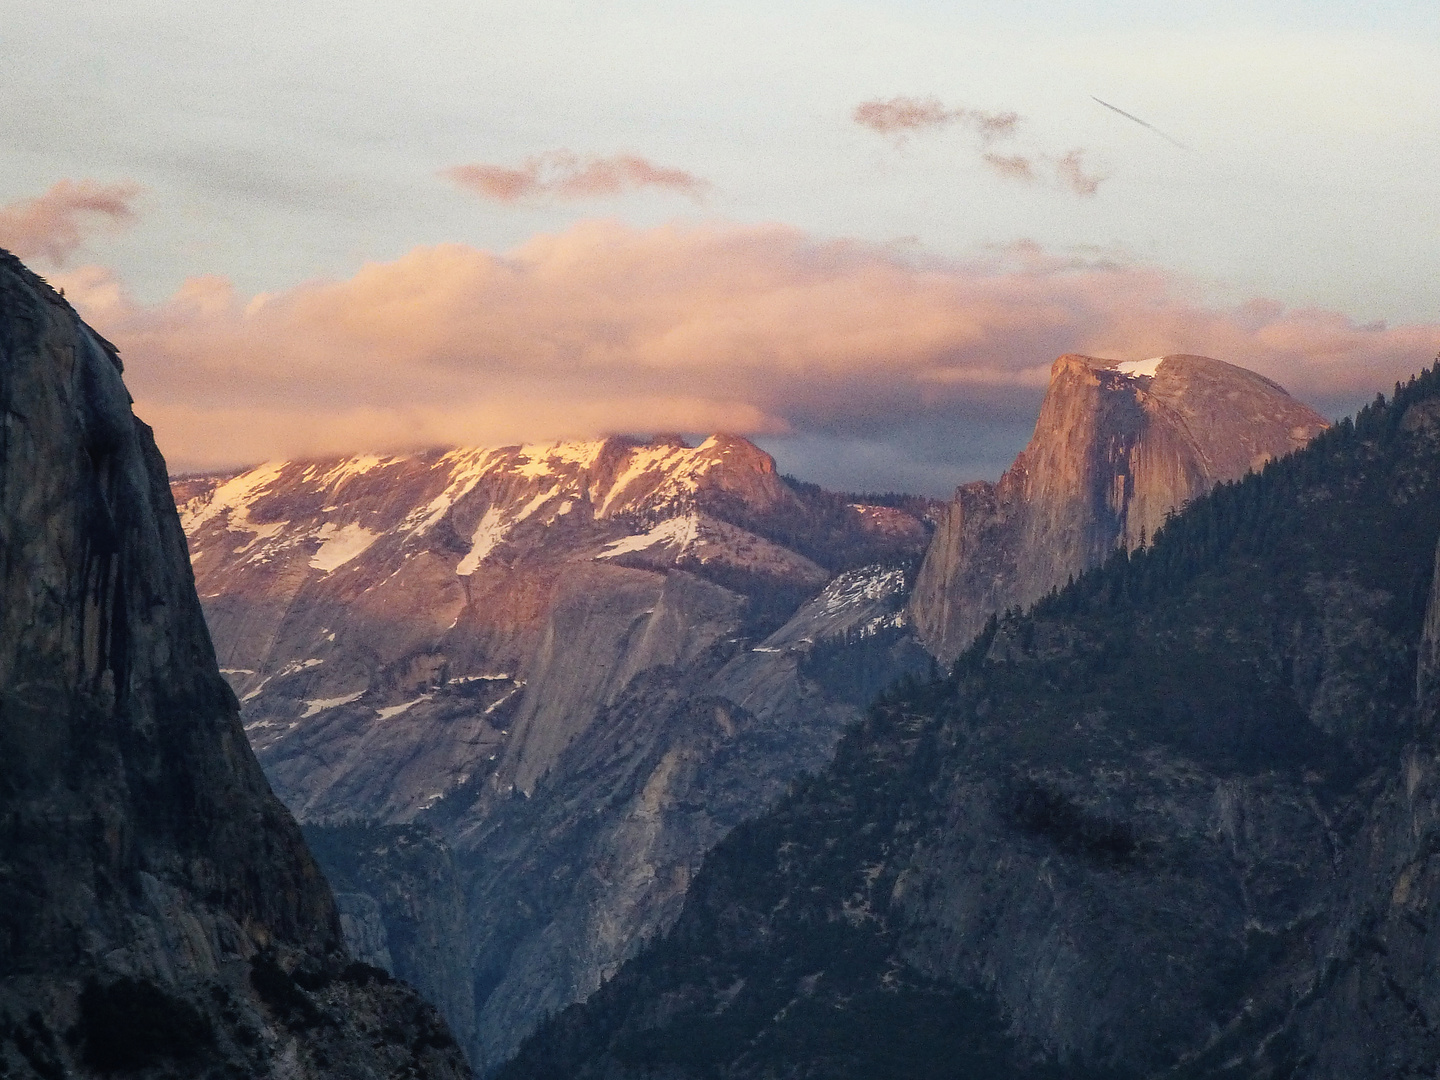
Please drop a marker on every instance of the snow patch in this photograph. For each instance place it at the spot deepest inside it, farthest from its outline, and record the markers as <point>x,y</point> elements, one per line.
<point>355,466</point>
<point>339,546</point>
<point>1137,369</point>
<point>299,665</point>
<point>541,460</point>
<point>233,498</point>
<point>487,534</point>
<point>501,700</point>
<point>396,710</point>
<point>678,467</point>
<point>858,586</point>
<point>535,504</point>
<point>256,692</point>
<point>681,531</point>
<point>319,705</point>
<point>467,468</point>
<point>234,494</point>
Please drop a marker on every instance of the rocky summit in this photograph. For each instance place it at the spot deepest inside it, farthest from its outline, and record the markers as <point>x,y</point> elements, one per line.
<point>1117,448</point>
<point>515,694</point>
<point>160,914</point>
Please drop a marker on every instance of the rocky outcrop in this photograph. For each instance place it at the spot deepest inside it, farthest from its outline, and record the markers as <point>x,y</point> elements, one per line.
<point>1179,820</point>
<point>1117,448</point>
<point>159,911</point>
<point>402,907</point>
<point>575,666</point>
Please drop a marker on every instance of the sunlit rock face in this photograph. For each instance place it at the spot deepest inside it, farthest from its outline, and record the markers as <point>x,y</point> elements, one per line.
<point>1117,447</point>
<point>157,902</point>
<point>576,665</point>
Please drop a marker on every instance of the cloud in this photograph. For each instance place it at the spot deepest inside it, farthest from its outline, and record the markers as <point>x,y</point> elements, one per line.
<point>759,330</point>
<point>900,117</point>
<point>1012,166</point>
<point>1069,170</point>
<point>562,175</point>
<point>53,225</point>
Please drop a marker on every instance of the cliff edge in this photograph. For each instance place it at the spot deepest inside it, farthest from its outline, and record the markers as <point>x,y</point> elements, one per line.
<point>159,910</point>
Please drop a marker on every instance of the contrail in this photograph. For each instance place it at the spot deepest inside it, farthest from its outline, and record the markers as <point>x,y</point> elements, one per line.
<point>1142,123</point>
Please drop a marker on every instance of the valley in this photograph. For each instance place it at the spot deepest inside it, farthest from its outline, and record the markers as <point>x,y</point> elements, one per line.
<point>559,675</point>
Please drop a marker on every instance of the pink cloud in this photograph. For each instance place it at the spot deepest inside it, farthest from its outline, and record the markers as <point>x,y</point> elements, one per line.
<point>1070,169</point>
<point>53,224</point>
<point>562,175</point>
<point>749,329</point>
<point>496,181</point>
<point>1012,167</point>
<point>899,117</point>
<point>994,125</point>
<point>902,114</point>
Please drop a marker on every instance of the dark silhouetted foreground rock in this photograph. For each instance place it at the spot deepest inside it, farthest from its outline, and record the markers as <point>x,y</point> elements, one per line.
<point>159,911</point>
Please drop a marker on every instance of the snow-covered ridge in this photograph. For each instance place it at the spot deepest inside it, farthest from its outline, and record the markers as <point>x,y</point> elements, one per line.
<point>857,603</point>
<point>235,496</point>
<point>698,538</point>
<point>332,512</point>
<point>854,587</point>
<point>652,473</point>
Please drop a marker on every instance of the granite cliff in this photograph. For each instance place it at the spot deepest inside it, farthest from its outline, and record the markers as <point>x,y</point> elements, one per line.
<point>1179,820</point>
<point>1117,447</point>
<point>538,683</point>
<point>160,914</point>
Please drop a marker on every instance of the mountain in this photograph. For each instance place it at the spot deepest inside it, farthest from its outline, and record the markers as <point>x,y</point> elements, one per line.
<point>160,914</point>
<point>538,683</point>
<point>1182,820</point>
<point>1117,447</point>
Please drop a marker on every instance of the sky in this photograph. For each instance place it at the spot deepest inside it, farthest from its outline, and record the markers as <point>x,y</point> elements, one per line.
<point>856,232</point>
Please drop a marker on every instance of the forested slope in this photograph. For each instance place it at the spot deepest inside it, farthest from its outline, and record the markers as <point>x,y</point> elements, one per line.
<point>1178,820</point>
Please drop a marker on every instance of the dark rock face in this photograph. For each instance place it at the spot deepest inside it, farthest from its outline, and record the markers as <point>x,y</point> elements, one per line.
<point>158,907</point>
<point>403,909</point>
<point>1116,448</point>
<point>574,667</point>
<point>1179,820</point>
